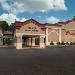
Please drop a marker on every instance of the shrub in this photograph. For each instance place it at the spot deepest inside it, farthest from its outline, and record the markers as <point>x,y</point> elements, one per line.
<point>51,43</point>
<point>62,43</point>
<point>8,41</point>
<point>58,43</point>
<point>67,43</point>
<point>71,43</point>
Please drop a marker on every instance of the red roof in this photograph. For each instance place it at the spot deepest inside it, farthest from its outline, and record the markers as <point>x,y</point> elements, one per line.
<point>42,26</point>
<point>20,24</point>
<point>66,22</point>
<point>56,24</point>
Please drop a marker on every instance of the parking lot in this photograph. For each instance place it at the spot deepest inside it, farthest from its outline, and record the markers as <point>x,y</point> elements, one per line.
<point>48,61</point>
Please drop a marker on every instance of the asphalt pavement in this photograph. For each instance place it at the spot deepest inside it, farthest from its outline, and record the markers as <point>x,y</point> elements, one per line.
<point>48,61</point>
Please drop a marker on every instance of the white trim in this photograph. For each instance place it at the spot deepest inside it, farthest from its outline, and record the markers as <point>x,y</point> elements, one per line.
<point>60,35</point>
<point>53,31</point>
<point>27,34</point>
<point>68,29</point>
<point>47,36</point>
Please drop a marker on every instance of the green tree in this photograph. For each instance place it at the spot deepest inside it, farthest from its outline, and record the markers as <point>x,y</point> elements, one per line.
<point>4,25</point>
<point>73,17</point>
<point>12,27</point>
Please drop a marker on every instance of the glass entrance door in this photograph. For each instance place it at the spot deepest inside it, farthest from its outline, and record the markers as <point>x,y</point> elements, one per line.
<point>37,41</point>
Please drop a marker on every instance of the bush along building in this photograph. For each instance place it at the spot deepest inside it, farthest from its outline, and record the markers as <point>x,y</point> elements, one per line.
<point>31,33</point>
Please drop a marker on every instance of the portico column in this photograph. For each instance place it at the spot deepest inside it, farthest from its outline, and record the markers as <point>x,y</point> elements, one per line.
<point>46,36</point>
<point>29,41</point>
<point>60,35</point>
<point>1,41</point>
<point>33,41</point>
<point>42,44</point>
<point>19,42</point>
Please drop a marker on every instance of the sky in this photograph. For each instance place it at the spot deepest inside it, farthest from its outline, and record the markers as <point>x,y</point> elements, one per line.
<point>43,11</point>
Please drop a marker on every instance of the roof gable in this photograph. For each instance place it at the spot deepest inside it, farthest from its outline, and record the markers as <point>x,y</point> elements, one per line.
<point>69,25</point>
<point>20,24</point>
<point>31,28</point>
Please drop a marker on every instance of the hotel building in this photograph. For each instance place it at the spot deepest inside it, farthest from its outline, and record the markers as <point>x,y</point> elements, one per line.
<point>31,33</point>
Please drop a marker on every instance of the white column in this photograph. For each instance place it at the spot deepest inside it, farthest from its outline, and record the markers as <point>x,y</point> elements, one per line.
<point>0,40</point>
<point>47,37</point>
<point>33,41</point>
<point>29,41</point>
<point>42,44</point>
<point>19,42</point>
<point>60,35</point>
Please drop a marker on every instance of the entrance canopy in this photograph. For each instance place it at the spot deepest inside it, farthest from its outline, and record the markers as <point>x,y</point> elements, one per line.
<point>27,30</point>
<point>30,41</point>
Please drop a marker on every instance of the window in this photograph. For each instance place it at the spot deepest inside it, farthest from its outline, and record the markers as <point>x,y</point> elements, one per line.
<point>29,27</point>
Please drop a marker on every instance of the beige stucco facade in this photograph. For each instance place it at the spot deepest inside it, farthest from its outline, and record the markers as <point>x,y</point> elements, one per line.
<point>53,34</point>
<point>63,33</point>
<point>68,32</point>
<point>30,30</point>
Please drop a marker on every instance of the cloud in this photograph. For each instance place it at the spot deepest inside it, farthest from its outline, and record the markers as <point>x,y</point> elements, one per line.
<point>10,18</point>
<point>5,5</point>
<point>22,20</point>
<point>39,5</point>
<point>52,20</point>
<point>19,6</point>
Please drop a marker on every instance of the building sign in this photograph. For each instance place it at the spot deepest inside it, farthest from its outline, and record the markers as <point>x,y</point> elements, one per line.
<point>70,32</point>
<point>33,29</point>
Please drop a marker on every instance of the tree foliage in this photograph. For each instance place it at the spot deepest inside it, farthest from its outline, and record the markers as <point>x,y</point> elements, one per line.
<point>5,26</point>
<point>73,17</point>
